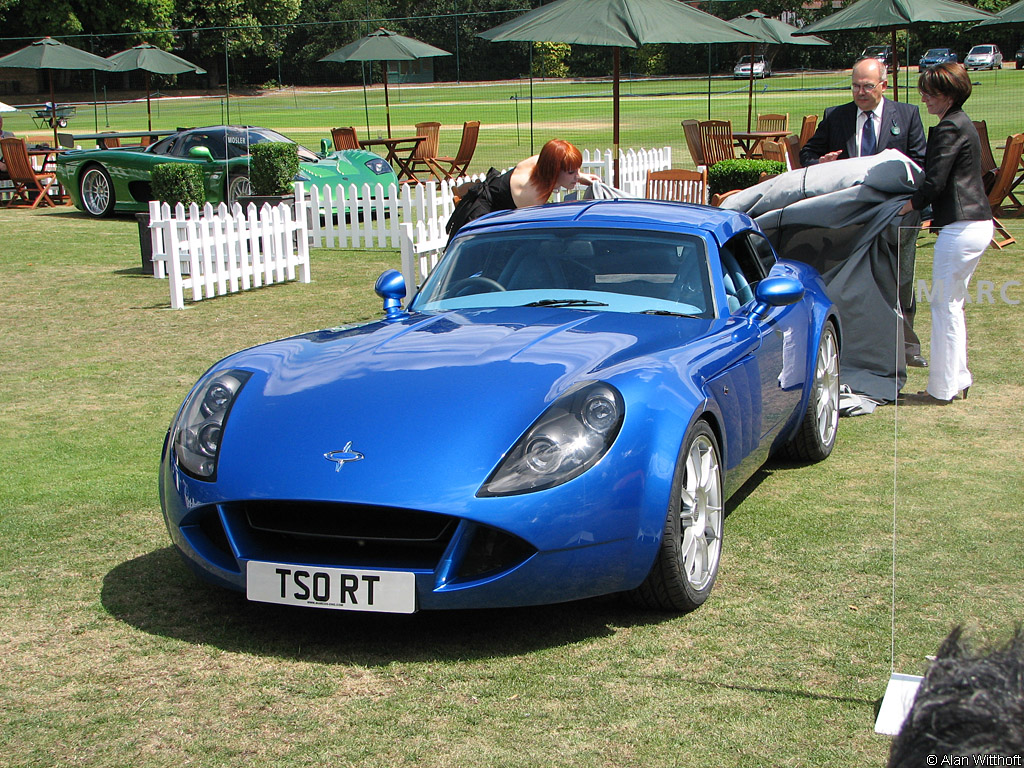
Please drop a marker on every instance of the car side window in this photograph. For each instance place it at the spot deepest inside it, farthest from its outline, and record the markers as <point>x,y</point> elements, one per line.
<point>763,251</point>
<point>742,269</point>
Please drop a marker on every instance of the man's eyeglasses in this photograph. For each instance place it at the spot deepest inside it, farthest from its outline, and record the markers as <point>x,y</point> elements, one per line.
<point>866,87</point>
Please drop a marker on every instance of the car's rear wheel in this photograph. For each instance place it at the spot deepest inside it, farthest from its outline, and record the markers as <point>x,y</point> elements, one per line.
<point>817,433</point>
<point>96,191</point>
<point>686,565</point>
<point>238,186</point>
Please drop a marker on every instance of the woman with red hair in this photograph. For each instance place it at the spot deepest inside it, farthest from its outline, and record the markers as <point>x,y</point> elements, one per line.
<point>530,182</point>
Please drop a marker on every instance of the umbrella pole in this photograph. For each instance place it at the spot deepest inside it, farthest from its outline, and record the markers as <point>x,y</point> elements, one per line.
<point>895,68</point>
<point>615,116</point>
<point>53,112</point>
<point>149,114</point>
<point>750,91</point>
<point>387,103</point>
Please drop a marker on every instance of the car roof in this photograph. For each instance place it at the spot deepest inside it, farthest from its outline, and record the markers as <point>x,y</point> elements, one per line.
<point>623,212</point>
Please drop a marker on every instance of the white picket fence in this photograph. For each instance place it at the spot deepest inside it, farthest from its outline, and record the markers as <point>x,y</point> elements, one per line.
<point>354,217</point>
<point>212,252</point>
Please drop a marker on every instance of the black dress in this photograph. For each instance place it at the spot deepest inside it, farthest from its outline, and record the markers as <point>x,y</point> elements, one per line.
<point>494,193</point>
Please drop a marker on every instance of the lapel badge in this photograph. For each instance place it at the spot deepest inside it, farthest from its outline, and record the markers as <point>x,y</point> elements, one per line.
<point>895,130</point>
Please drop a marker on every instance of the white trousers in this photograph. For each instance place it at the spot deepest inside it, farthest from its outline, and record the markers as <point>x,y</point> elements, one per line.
<point>958,250</point>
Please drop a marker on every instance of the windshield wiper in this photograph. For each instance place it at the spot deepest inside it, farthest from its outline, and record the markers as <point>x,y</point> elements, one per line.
<point>566,303</point>
<point>667,312</point>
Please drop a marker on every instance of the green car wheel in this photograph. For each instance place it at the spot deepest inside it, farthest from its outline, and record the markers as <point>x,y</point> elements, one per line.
<point>97,193</point>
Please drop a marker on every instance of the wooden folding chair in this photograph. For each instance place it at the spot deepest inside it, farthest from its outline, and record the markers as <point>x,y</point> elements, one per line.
<point>27,181</point>
<point>424,157</point>
<point>716,142</point>
<point>989,167</point>
<point>458,165</point>
<point>344,138</point>
<point>1001,187</point>
<point>769,123</point>
<point>108,142</point>
<point>773,150</point>
<point>807,129</point>
<point>679,185</point>
<point>691,130</point>
<point>792,145</point>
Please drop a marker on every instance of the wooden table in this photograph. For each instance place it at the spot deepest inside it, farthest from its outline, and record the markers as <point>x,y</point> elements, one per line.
<point>396,154</point>
<point>749,140</point>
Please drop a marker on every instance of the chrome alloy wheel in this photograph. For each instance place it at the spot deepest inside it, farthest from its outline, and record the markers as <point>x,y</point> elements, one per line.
<point>701,513</point>
<point>96,191</point>
<point>826,387</point>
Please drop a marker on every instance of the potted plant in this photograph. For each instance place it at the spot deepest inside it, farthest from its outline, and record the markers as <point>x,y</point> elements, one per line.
<point>273,166</point>
<point>727,175</point>
<point>172,183</point>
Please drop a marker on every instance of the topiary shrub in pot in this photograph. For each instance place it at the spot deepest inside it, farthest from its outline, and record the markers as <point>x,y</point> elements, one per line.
<point>171,183</point>
<point>175,183</point>
<point>727,175</point>
<point>273,166</point>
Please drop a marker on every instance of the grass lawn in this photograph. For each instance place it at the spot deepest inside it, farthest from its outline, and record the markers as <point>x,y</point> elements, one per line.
<point>113,654</point>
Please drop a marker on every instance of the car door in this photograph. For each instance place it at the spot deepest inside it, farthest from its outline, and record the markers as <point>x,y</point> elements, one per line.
<point>780,333</point>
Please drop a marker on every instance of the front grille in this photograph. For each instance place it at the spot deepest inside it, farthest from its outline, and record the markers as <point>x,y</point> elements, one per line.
<point>343,534</point>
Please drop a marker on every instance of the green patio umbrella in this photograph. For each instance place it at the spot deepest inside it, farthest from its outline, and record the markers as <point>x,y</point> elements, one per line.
<point>892,15</point>
<point>385,45</point>
<point>618,24</point>
<point>1010,16</point>
<point>773,32</point>
<point>50,54</point>
<point>154,60</point>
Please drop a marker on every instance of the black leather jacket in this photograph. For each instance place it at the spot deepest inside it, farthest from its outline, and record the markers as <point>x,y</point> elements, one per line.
<point>952,173</point>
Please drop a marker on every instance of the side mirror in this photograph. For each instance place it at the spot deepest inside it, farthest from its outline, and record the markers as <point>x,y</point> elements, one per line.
<point>201,153</point>
<point>390,286</point>
<point>325,147</point>
<point>776,292</point>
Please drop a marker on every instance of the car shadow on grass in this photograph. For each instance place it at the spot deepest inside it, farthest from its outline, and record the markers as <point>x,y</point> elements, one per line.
<point>157,594</point>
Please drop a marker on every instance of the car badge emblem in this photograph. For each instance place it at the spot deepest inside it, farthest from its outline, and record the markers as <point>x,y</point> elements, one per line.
<point>342,457</point>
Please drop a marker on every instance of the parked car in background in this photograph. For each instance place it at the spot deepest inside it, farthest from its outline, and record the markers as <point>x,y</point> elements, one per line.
<point>881,52</point>
<point>562,411</point>
<point>1020,57</point>
<point>102,181</point>
<point>984,57</point>
<point>936,56</point>
<point>762,68</point>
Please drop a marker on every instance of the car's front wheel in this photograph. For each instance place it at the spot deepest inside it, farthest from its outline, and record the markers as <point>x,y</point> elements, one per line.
<point>686,565</point>
<point>96,191</point>
<point>238,186</point>
<point>817,432</point>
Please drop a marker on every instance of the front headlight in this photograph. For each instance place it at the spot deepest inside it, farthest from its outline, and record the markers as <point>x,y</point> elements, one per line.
<point>379,166</point>
<point>568,439</point>
<point>196,433</point>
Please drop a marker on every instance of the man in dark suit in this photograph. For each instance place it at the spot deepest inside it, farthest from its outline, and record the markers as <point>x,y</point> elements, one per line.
<point>866,126</point>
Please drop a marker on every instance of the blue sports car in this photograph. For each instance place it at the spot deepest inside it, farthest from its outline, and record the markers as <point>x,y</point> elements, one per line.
<point>561,411</point>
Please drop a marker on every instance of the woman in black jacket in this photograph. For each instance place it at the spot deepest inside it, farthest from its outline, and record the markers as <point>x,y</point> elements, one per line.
<point>953,187</point>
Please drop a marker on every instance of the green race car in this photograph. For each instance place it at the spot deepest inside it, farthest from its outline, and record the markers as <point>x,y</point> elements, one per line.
<point>104,181</point>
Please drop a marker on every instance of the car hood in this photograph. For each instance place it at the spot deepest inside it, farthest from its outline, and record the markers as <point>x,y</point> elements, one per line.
<point>433,396</point>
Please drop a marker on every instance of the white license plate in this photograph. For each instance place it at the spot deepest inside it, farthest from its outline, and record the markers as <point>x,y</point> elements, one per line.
<point>342,589</point>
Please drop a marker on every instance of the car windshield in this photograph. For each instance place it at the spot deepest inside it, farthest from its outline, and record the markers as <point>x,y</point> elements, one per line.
<point>619,270</point>
<point>877,50</point>
<point>979,49</point>
<point>937,52</point>
<point>746,59</point>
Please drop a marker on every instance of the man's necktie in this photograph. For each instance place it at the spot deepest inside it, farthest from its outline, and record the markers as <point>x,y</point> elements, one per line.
<point>867,136</point>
